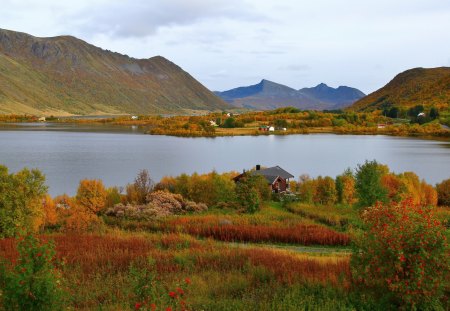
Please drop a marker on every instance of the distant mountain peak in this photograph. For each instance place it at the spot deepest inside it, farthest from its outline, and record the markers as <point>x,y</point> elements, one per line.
<point>269,95</point>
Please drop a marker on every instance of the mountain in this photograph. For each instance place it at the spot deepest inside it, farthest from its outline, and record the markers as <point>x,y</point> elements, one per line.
<point>418,86</point>
<point>65,75</point>
<point>271,95</point>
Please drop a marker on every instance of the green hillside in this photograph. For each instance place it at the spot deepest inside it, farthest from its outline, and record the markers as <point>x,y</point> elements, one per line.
<point>65,75</point>
<point>418,86</point>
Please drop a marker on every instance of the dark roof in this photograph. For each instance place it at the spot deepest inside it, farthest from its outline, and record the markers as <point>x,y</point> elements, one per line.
<point>272,173</point>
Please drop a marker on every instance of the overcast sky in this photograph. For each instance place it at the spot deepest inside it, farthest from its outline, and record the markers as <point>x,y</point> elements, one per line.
<point>230,43</point>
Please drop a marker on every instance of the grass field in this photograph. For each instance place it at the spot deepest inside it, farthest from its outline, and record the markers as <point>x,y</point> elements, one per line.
<point>294,258</point>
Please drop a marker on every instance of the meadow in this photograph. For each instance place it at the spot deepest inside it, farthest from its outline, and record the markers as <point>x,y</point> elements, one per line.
<point>154,248</point>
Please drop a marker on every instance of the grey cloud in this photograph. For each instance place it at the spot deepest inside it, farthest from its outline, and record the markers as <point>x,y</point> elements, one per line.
<point>144,18</point>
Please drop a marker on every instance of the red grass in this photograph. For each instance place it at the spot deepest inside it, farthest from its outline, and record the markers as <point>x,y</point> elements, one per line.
<point>107,254</point>
<point>296,234</point>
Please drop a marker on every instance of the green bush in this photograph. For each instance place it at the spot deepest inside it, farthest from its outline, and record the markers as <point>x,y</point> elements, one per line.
<point>33,283</point>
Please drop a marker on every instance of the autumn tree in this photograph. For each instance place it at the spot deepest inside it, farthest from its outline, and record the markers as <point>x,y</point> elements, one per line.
<point>443,191</point>
<point>113,196</point>
<point>21,196</point>
<point>306,188</point>
<point>91,195</point>
<point>142,186</point>
<point>325,191</point>
<point>50,214</point>
<point>345,187</point>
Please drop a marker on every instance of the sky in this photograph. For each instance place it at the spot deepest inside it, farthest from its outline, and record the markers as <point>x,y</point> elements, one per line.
<point>230,43</point>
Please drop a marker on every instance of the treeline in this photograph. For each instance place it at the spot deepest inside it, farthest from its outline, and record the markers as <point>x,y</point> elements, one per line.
<point>24,202</point>
<point>371,182</point>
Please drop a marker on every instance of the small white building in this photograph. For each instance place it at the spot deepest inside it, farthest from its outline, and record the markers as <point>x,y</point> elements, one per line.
<point>422,114</point>
<point>41,119</point>
<point>134,117</point>
<point>271,129</point>
<point>212,123</point>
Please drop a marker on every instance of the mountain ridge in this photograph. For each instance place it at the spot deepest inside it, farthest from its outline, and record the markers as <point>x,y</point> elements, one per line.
<point>271,95</point>
<point>66,75</point>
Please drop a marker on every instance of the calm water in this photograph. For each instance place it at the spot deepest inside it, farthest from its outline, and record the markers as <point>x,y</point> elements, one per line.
<point>67,153</point>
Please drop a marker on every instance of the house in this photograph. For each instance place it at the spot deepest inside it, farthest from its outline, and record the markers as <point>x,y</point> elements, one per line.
<point>41,119</point>
<point>212,123</point>
<point>134,117</point>
<point>277,178</point>
<point>381,125</point>
<point>271,129</point>
<point>422,114</point>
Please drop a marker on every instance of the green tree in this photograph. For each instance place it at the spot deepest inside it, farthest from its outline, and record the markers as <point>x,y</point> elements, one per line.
<point>434,113</point>
<point>368,183</point>
<point>21,197</point>
<point>393,112</point>
<point>247,194</point>
<point>229,123</point>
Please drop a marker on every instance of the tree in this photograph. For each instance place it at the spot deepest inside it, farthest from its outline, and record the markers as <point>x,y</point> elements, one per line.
<point>113,196</point>
<point>21,196</point>
<point>306,188</point>
<point>247,194</point>
<point>345,187</point>
<point>443,191</point>
<point>280,123</point>
<point>402,255</point>
<point>393,112</point>
<point>143,185</point>
<point>51,217</point>
<point>91,195</point>
<point>368,183</point>
<point>325,192</point>
<point>229,123</point>
<point>434,113</point>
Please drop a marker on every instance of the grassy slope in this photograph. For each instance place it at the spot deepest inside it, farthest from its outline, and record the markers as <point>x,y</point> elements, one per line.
<point>418,86</point>
<point>66,75</point>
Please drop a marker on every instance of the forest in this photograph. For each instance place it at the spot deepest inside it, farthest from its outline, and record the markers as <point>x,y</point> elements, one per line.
<point>368,239</point>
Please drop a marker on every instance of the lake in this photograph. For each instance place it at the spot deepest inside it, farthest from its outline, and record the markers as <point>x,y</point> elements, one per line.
<point>68,153</point>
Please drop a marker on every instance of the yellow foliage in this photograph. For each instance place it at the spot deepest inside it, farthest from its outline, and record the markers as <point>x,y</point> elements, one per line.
<point>91,194</point>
